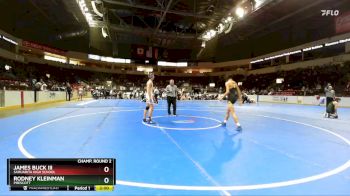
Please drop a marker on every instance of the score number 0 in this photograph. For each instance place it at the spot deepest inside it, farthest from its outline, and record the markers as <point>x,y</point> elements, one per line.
<point>106,170</point>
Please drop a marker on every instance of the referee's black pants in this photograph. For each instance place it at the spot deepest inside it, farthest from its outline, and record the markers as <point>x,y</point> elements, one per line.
<point>68,95</point>
<point>171,100</point>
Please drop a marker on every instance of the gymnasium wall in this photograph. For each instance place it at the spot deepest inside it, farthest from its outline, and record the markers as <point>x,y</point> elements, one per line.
<point>46,96</point>
<point>22,98</point>
<point>305,100</point>
<point>14,98</point>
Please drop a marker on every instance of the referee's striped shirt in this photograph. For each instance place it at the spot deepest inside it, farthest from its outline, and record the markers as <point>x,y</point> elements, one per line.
<point>171,90</point>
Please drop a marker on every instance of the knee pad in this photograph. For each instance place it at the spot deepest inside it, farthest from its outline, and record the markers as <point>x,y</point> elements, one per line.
<point>147,108</point>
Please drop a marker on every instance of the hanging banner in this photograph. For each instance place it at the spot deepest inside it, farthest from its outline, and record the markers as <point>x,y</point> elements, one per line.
<point>342,23</point>
<point>34,45</point>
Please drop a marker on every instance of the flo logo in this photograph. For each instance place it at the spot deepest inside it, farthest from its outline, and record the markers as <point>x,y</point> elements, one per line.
<point>330,12</point>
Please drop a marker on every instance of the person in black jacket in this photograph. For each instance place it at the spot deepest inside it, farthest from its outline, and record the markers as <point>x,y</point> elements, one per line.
<point>69,91</point>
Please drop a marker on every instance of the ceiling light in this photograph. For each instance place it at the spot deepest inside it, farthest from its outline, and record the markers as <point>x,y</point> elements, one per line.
<point>7,67</point>
<point>240,12</point>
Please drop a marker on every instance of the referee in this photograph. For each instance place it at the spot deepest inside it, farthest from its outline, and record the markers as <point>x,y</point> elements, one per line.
<point>171,92</point>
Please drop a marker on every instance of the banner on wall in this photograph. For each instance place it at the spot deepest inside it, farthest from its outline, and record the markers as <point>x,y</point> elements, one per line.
<point>144,52</point>
<point>42,47</point>
<point>342,23</point>
<point>155,53</point>
<point>140,52</point>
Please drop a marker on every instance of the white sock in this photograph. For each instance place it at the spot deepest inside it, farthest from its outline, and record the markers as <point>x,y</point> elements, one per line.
<point>225,121</point>
<point>238,125</point>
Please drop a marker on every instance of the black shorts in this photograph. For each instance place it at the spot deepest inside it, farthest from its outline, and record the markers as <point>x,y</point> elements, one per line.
<point>330,108</point>
<point>232,99</point>
<point>329,100</point>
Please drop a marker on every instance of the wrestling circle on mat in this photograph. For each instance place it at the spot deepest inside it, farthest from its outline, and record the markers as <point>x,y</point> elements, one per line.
<point>192,120</point>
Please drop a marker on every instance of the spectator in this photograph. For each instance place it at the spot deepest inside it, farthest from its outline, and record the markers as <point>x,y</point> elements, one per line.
<point>69,91</point>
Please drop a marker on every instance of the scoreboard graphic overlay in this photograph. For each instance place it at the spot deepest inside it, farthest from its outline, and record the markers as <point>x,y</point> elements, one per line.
<point>84,174</point>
